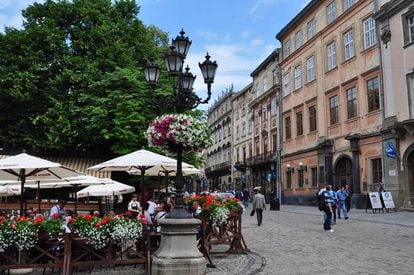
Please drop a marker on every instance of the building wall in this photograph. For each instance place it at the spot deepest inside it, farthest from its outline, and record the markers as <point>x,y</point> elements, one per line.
<point>322,146</point>
<point>264,112</point>
<point>242,132</point>
<point>218,167</point>
<point>397,52</point>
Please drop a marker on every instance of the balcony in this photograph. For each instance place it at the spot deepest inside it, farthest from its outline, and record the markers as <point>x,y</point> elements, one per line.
<point>262,158</point>
<point>240,165</point>
<point>221,168</point>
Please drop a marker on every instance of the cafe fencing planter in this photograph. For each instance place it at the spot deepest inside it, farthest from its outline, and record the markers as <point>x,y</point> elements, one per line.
<point>68,252</point>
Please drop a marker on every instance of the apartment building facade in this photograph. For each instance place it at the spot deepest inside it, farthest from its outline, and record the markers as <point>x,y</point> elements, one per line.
<point>242,143</point>
<point>331,100</point>
<point>396,28</point>
<point>264,114</point>
<point>218,168</point>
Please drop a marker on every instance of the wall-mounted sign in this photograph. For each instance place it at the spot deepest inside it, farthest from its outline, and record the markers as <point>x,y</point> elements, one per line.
<point>390,150</point>
<point>392,173</point>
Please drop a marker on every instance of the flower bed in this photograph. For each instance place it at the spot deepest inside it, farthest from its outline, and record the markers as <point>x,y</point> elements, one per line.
<point>170,130</point>
<point>98,232</point>
<point>217,209</point>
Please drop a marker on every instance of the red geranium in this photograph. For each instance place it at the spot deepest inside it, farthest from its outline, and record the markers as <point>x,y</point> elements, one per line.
<point>128,213</point>
<point>105,221</point>
<point>88,217</point>
<point>144,221</point>
<point>98,224</point>
<point>55,216</point>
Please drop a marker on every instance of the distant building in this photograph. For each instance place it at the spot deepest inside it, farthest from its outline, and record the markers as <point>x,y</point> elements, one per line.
<point>242,141</point>
<point>396,28</point>
<point>263,106</point>
<point>331,89</point>
<point>218,167</point>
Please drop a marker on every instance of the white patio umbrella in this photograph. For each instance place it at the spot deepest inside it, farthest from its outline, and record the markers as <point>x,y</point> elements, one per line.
<point>24,167</point>
<point>141,160</point>
<point>8,191</point>
<point>76,182</point>
<point>108,189</point>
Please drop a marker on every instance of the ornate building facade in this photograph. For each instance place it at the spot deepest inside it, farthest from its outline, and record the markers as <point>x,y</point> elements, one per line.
<point>218,168</point>
<point>264,113</point>
<point>331,90</point>
<point>242,142</point>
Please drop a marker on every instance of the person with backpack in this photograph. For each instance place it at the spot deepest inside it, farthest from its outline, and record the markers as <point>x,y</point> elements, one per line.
<point>325,201</point>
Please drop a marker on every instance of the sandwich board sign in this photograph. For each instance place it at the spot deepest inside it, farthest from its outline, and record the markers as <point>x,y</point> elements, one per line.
<point>375,200</point>
<point>387,198</point>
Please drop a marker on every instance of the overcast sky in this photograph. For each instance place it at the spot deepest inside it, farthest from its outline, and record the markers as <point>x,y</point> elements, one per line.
<point>238,34</point>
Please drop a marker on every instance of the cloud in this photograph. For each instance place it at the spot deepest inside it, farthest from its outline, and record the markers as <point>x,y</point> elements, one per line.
<point>256,42</point>
<point>209,35</point>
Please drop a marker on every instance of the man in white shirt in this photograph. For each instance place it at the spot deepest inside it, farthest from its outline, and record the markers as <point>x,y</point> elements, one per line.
<point>58,209</point>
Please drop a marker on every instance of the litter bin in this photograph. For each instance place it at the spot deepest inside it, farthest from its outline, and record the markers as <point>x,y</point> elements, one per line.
<point>275,204</point>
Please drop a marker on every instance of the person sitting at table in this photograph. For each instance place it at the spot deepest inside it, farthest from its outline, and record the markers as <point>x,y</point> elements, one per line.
<point>58,209</point>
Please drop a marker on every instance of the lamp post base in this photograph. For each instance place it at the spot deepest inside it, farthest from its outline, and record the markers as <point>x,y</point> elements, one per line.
<point>178,253</point>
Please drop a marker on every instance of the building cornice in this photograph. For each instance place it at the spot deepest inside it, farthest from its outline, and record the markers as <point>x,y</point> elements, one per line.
<point>391,8</point>
<point>274,56</point>
<point>263,95</point>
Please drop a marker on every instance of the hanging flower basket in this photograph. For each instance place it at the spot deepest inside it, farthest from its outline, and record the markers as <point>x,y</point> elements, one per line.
<point>169,131</point>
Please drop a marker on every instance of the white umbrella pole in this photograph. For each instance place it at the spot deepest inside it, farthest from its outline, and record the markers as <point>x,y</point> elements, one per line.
<point>38,197</point>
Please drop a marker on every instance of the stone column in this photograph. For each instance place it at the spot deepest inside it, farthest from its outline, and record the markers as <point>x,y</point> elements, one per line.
<point>358,199</point>
<point>178,253</point>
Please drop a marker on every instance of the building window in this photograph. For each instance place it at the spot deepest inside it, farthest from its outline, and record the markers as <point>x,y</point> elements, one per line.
<point>299,123</point>
<point>349,50</point>
<point>348,4</point>
<point>256,118</point>
<point>373,94</point>
<point>244,129</point>
<point>408,28</point>
<point>298,77</point>
<point>376,170</point>
<point>331,12</point>
<point>298,39</point>
<point>300,178</point>
<point>273,107</point>
<point>286,84</point>
<point>265,144</point>
<point>237,155</point>
<point>351,102</point>
<point>287,48</point>
<point>265,87</point>
<point>288,129</point>
<point>314,174</point>
<point>310,68</point>
<point>288,179</point>
<point>370,37</point>
<point>312,118</point>
<point>257,144</point>
<point>311,29</point>
<point>237,132</point>
<point>334,109</point>
<point>274,142</point>
<point>331,55</point>
<point>249,127</point>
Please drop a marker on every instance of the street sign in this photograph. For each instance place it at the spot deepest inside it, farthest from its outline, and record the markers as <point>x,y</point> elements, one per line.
<point>390,150</point>
<point>374,197</point>
<point>387,198</point>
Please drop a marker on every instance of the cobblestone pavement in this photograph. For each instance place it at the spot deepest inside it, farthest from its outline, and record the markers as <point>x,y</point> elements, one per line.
<point>292,241</point>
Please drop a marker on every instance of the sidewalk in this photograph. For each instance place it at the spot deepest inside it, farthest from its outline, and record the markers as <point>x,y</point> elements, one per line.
<point>402,218</point>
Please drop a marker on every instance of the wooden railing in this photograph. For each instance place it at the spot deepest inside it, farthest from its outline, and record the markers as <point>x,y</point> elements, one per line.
<point>68,252</point>
<point>229,233</point>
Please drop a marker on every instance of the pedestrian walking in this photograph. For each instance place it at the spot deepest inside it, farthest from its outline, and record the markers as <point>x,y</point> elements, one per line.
<point>246,197</point>
<point>259,204</point>
<point>342,196</point>
<point>334,206</point>
<point>327,197</point>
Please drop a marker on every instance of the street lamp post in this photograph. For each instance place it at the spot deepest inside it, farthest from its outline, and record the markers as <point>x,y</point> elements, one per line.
<point>178,229</point>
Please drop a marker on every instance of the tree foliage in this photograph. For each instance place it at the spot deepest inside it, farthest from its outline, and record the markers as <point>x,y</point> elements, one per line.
<point>72,78</point>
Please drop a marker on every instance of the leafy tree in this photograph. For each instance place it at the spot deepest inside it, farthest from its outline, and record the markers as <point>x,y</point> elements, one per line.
<point>72,78</point>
